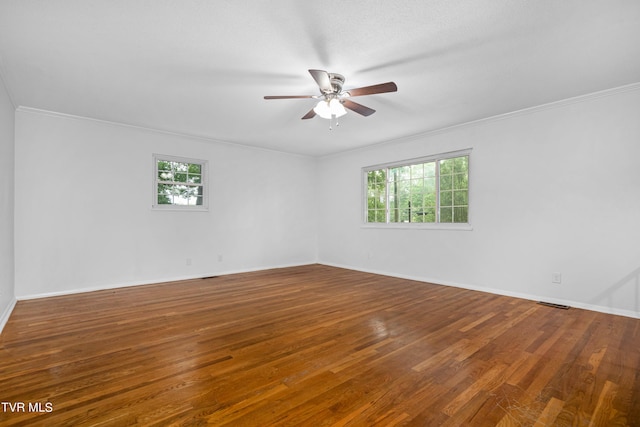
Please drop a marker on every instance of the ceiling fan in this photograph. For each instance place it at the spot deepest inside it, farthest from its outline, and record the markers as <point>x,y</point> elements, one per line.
<point>333,100</point>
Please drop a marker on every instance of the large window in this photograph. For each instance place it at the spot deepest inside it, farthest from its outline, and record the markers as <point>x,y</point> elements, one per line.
<point>179,183</point>
<point>432,189</point>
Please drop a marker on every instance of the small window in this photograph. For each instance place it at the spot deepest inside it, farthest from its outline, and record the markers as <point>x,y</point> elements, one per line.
<point>179,183</point>
<point>431,190</point>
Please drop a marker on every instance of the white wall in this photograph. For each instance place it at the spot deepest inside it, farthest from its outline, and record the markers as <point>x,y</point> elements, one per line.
<point>553,189</point>
<point>7,119</point>
<point>84,219</point>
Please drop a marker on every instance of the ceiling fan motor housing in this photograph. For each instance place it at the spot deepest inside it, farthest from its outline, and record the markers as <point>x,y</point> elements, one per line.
<point>337,80</point>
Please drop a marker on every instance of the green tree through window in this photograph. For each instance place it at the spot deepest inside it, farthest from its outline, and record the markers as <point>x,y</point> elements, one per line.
<point>179,182</point>
<point>433,191</point>
<point>376,196</point>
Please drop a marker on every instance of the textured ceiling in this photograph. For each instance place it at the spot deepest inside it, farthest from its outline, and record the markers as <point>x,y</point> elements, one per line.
<point>202,68</point>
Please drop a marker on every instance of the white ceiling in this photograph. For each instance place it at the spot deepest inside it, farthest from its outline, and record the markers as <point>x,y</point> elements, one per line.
<point>202,67</point>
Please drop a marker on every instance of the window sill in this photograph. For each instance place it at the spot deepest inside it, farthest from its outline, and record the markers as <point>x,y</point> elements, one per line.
<point>179,208</point>
<point>419,226</point>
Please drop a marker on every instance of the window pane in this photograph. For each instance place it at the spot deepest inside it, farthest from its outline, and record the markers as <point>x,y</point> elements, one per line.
<point>195,168</point>
<point>460,164</point>
<point>182,194</point>
<point>370,178</point>
<point>446,214</point>
<point>416,200</point>
<point>181,167</point>
<point>429,215</point>
<point>195,179</point>
<point>417,185</point>
<point>164,166</point>
<point>446,166</point>
<point>446,182</point>
<point>417,171</point>
<point>460,214</point>
<point>429,200</point>
<point>401,192</point>
<point>376,215</point>
<point>392,176</point>
<point>165,176</point>
<point>430,169</point>
<point>166,189</point>
<point>394,215</point>
<point>446,198</point>
<point>460,181</point>
<point>429,192</point>
<point>180,177</point>
<point>163,199</point>
<point>376,195</point>
<point>193,199</point>
<point>400,173</point>
<point>371,202</point>
<point>179,195</point>
<point>460,198</point>
<point>416,216</point>
<point>430,185</point>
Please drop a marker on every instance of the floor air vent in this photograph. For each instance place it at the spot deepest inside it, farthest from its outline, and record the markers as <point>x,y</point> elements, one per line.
<point>209,277</point>
<point>550,304</point>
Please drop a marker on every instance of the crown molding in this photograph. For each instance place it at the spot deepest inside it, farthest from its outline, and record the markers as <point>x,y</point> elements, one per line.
<point>524,111</point>
<point>50,113</point>
<point>521,112</point>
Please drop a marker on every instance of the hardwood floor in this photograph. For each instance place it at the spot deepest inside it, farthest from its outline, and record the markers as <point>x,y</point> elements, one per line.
<point>314,346</point>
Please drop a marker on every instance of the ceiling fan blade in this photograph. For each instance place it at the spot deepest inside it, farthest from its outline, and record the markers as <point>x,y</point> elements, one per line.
<point>370,90</point>
<point>322,78</point>
<point>310,115</point>
<point>358,108</point>
<point>289,97</point>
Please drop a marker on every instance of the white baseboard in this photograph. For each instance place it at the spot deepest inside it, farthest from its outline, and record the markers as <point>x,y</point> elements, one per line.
<point>152,280</point>
<point>576,304</point>
<point>4,318</point>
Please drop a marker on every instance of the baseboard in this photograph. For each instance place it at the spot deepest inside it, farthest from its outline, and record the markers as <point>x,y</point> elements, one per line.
<point>153,281</point>
<point>495,291</point>
<point>7,313</point>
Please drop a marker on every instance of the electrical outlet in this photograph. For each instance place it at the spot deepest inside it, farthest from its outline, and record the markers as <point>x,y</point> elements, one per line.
<point>556,278</point>
<point>188,261</point>
<point>219,258</point>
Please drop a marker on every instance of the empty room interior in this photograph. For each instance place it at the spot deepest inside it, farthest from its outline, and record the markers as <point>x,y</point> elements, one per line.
<point>335,213</point>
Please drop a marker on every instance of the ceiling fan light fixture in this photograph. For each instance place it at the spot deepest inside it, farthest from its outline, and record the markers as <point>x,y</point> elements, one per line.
<point>328,109</point>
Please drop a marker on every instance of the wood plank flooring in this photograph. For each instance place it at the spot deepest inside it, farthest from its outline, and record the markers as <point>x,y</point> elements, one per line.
<point>314,346</point>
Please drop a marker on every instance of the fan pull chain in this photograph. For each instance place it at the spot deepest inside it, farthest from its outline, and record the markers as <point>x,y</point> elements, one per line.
<point>333,116</point>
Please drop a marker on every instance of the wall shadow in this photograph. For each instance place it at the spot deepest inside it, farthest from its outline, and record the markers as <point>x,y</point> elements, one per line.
<point>623,289</point>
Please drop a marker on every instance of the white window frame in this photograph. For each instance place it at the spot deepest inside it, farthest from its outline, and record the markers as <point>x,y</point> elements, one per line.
<point>204,168</point>
<point>416,225</point>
